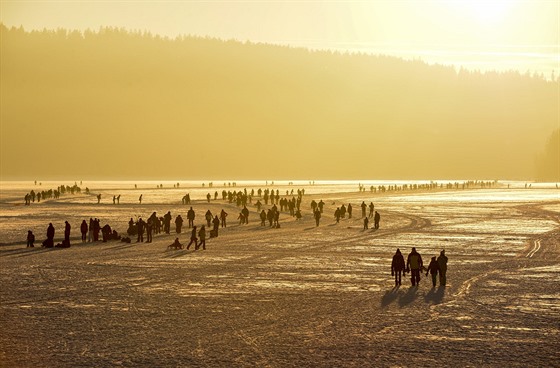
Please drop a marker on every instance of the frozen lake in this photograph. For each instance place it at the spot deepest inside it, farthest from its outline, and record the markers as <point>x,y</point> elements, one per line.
<point>299,295</point>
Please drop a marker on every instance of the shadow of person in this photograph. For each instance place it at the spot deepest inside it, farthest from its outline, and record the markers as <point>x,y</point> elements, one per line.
<point>390,296</point>
<point>408,297</point>
<point>435,296</point>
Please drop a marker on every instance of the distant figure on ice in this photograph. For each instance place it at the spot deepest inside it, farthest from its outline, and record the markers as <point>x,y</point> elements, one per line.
<point>371,207</point>
<point>98,198</point>
<point>176,244</point>
<point>208,216</point>
<point>223,216</point>
<point>366,223</point>
<point>140,226</point>
<point>67,228</point>
<point>349,210</point>
<point>364,206</point>
<point>263,218</point>
<point>414,264</point>
<point>214,232</point>
<point>49,243</point>
<point>84,230</point>
<point>337,215</point>
<point>149,229</point>
<point>397,266</point>
<point>30,239</point>
<point>167,222</point>
<point>208,197</point>
<point>202,237</point>
<point>442,262</point>
<point>119,199</point>
<point>376,220</point>
<point>140,199</point>
<point>245,213</point>
<point>178,224</point>
<point>190,217</point>
<point>317,215</point>
<point>320,205</point>
<point>193,239</point>
<point>433,269</point>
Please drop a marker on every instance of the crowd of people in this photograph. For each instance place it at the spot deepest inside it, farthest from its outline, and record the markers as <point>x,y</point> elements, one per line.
<point>162,224</point>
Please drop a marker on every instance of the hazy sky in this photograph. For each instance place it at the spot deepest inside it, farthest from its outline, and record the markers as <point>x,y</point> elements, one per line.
<point>521,35</point>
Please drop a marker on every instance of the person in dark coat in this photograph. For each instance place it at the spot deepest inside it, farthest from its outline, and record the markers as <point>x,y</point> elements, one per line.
<point>442,262</point>
<point>49,243</point>
<point>140,224</point>
<point>84,230</point>
<point>193,239</point>
<point>216,223</point>
<point>208,216</point>
<point>414,265</point>
<point>223,216</point>
<point>190,217</point>
<point>376,220</point>
<point>202,237</point>
<point>433,269</point>
<point>30,239</point>
<point>366,222</point>
<point>317,215</point>
<point>178,224</point>
<point>67,228</point>
<point>397,266</point>
<point>149,230</point>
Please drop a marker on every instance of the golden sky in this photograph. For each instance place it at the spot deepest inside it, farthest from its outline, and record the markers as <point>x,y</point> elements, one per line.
<point>522,35</point>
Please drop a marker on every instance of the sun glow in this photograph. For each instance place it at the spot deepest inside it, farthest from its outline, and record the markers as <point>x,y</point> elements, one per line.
<point>484,12</point>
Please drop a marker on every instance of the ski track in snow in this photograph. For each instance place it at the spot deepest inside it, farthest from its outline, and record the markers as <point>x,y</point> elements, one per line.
<point>295,296</point>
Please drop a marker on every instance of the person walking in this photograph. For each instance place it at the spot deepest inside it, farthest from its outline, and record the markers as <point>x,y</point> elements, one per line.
<point>223,216</point>
<point>178,224</point>
<point>202,237</point>
<point>67,228</point>
<point>442,263</point>
<point>433,269</point>
<point>190,217</point>
<point>376,220</point>
<point>84,230</point>
<point>414,265</point>
<point>397,266</point>
<point>193,239</point>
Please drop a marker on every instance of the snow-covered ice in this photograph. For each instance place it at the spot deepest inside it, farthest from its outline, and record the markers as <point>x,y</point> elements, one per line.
<point>296,296</point>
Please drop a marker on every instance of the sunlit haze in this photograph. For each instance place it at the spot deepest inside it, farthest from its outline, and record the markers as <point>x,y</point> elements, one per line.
<point>499,35</point>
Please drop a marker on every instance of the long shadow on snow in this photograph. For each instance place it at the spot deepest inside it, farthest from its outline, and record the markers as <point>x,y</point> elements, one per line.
<point>435,296</point>
<point>408,297</point>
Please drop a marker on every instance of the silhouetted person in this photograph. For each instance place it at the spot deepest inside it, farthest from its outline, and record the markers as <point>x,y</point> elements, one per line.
<point>216,223</point>
<point>84,230</point>
<point>376,220</point>
<point>208,216</point>
<point>140,199</point>
<point>433,269</point>
<point>337,215</point>
<point>98,198</point>
<point>30,239</point>
<point>149,230</point>
<point>364,206</point>
<point>349,211</point>
<point>263,218</point>
<point>397,266</point>
<point>442,263</point>
<point>245,213</point>
<point>343,211</point>
<point>414,265</point>
<point>119,199</point>
<point>193,239</point>
<point>67,228</point>
<point>366,223</point>
<point>90,231</point>
<point>49,243</point>
<point>223,216</point>
<point>190,217</point>
<point>178,224</point>
<point>259,205</point>
<point>176,244</point>
<point>320,205</point>
<point>202,237</point>
<point>208,197</point>
<point>114,199</point>
<point>317,215</point>
<point>140,226</point>
<point>371,207</point>
<point>167,222</point>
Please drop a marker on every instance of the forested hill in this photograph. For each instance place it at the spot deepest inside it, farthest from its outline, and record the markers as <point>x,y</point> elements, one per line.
<point>116,105</point>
